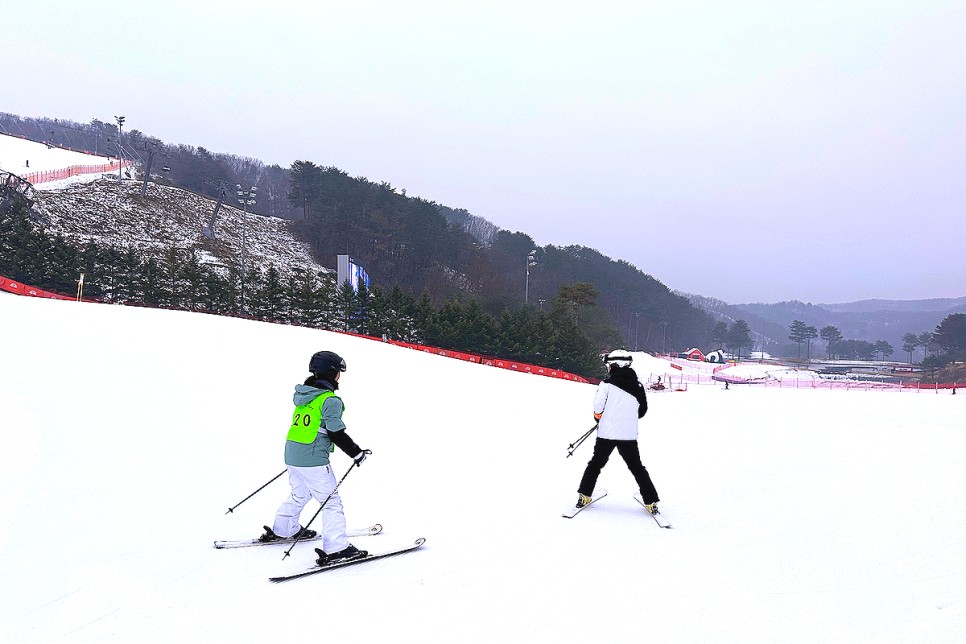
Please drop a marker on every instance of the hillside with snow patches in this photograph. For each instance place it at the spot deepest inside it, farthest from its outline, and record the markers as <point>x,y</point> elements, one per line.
<point>799,515</point>
<point>101,208</point>
<point>117,214</point>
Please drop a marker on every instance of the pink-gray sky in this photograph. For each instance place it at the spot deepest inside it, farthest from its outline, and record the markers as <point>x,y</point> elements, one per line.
<point>750,151</point>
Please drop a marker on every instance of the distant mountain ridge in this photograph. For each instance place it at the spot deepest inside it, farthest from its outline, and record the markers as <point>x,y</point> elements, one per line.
<point>948,304</point>
<point>869,320</point>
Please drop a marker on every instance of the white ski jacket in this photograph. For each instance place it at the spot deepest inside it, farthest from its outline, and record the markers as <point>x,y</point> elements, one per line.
<point>619,409</point>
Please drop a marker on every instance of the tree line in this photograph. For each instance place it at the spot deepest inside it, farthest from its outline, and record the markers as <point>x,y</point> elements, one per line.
<point>836,346</point>
<point>948,341</point>
<point>178,280</point>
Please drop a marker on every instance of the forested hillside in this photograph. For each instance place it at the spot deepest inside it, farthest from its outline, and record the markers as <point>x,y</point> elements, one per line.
<point>409,242</point>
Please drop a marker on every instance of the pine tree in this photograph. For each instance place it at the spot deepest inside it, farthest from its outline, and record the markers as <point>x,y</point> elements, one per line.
<point>950,335</point>
<point>477,329</point>
<point>909,343</point>
<point>719,333</point>
<point>572,350</point>
<point>171,279</point>
<point>798,333</point>
<point>832,337</point>
<point>193,281</point>
<point>305,186</point>
<point>925,341</point>
<point>363,310</point>
<point>252,285</point>
<point>344,306</point>
<point>220,291</point>
<point>22,248</point>
<point>739,335</point>
<point>64,263</point>
<point>130,275</point>
<point>883,349</point>
<point>443,329</point>
<point>423,314</point>
<point>304,300</point>
<point>269,300</point>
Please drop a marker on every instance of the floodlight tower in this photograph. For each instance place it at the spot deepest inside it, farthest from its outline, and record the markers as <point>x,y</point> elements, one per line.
<point>245,198</point>
<point>120,159</point>
<point>531,261</point>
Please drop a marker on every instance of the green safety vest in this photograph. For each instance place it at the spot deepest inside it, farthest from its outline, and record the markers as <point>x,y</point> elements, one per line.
<point>306,420</point>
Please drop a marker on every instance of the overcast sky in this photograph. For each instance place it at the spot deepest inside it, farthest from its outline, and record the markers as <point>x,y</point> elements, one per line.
<point>749,151</point>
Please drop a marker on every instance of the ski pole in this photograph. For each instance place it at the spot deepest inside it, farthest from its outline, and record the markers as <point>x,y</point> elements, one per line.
<point>334,490</point>
<point>231,509</point>
<point>573,446</point>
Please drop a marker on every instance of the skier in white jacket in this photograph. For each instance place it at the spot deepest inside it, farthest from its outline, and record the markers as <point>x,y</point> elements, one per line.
<point>618,405</point>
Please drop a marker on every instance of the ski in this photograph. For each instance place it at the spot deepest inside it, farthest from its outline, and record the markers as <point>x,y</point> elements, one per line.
<point>351,562</point>
<point>573,510</point>
<point>658,519</point>
<point>247,543</point>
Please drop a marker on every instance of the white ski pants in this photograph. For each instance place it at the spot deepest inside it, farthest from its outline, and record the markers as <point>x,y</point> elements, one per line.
<point>317,483</point>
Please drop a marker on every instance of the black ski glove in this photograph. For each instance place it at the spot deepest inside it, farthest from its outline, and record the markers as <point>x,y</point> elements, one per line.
<point>361,456</point>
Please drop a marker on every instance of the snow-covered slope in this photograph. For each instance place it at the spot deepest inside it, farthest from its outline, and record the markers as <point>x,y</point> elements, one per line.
<point>22,156</point>
<point>800,516</point>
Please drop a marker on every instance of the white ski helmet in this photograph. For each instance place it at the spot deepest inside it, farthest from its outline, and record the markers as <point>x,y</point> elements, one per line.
<point>618,357</point>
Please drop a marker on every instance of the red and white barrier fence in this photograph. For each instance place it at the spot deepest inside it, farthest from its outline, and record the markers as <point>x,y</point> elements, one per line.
<point>673,381</point>
<point>11,286</point>
<point>43,176</point>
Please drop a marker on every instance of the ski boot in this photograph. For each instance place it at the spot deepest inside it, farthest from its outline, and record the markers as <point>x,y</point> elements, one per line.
<point>346,554</point>
<point>304,533</point>
<point>270,536</point>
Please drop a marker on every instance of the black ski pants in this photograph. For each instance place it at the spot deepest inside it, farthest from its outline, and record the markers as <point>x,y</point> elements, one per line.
<point>632,457</point>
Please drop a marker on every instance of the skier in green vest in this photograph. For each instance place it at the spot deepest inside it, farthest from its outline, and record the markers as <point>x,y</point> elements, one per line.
<point>316,430</point>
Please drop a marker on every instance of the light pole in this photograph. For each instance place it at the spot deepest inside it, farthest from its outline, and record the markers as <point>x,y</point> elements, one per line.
<point>530,262</point>
<point>665,338</point>
<point>245,198</point>
<point>637,330</point>
<point>120,158</point>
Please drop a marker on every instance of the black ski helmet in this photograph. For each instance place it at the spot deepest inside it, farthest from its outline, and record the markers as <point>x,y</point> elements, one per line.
<point>326,363</point>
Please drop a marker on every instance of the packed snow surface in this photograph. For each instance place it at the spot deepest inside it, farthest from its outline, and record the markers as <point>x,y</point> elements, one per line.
<point>799,515</point>
<point>23,156</point>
